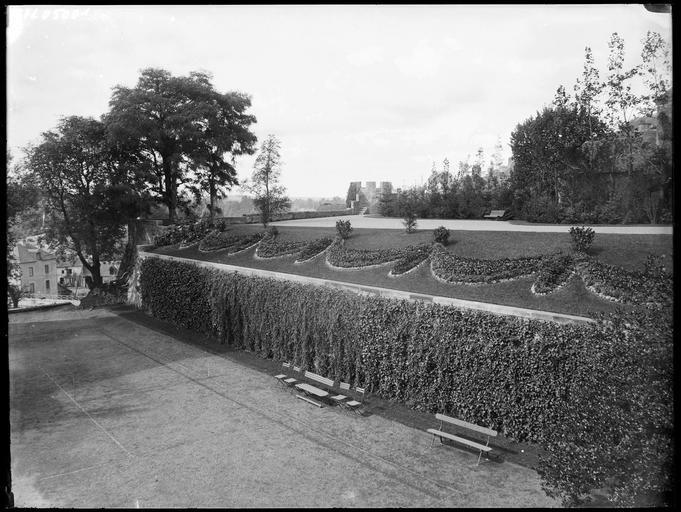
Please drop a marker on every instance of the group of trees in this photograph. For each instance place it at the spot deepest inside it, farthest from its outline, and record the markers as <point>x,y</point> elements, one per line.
<point>473,190</point>
<point>582,159</point>
<point>165,141</point>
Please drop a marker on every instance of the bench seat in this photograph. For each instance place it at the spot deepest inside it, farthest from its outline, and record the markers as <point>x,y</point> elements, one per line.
<point>461,440</point>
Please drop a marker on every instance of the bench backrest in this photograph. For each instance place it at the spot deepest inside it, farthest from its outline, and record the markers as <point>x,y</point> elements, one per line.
<point>465,424</point>
<point>359,390</point>
<point>296,369</point>
<point>319,378</point>
<point>497,212</point>
<point>345,386</point>
<point>286,365</point>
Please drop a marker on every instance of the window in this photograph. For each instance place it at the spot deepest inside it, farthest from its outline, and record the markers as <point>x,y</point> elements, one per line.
<point>61,280</point>
<point>31,287</point>
<point>47,269</point>
<point>112,270</point>
<point>30,272</point>
<point>68,271</point>
<point>47,285</point>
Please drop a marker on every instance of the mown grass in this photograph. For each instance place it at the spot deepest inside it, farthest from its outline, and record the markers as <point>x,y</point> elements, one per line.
<point>629,251</point>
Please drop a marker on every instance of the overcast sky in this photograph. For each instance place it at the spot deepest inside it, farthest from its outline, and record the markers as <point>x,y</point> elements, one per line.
<point>353,92</point>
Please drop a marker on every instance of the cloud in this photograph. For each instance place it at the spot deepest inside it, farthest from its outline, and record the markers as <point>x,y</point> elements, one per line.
<point>366,56</point>
<point>421,61</point>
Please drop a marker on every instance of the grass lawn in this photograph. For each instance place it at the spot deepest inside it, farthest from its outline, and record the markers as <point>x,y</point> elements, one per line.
<point>628,251</point>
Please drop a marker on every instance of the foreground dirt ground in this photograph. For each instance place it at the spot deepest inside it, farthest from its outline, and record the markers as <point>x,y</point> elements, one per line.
<point>108,412</point>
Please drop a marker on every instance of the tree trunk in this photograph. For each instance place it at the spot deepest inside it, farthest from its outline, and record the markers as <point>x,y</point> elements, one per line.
<point>171,194</point>
<point>130,254</point>
<point>213,198</point>
<point>96,272</point>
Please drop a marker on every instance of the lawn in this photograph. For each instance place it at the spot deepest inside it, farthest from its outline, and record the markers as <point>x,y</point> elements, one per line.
<point>628,251</point>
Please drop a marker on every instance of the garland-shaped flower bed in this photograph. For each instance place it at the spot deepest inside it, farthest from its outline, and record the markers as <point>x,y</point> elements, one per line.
<point>314,248</point>
<point>620,285</point>
<point>340,256</point>
<point>186,234</point>
<point>450,268</point>
<point>412,258</point>
<point>554,271</point>
<point>216,241</point>
<point>270,247</point>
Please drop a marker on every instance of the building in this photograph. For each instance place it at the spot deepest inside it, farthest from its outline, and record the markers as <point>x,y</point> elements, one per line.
<point>39,272</point>
<point>43,273</point>
<point>368,196</point>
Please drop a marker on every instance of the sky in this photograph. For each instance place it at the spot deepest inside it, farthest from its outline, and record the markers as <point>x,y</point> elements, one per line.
<point>354,92</point>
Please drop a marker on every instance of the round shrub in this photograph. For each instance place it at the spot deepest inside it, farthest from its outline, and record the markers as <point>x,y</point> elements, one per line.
<point>441,235</point>
<point>582,238</point>
<point>344,228</point>
<point>272,232</point>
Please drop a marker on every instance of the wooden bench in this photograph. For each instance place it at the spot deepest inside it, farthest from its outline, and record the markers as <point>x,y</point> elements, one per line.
<point>495,214</point>
<point>463,424</point>
<point>319,379</point>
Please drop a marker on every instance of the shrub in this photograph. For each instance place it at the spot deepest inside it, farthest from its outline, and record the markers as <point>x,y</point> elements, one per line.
<point>582,238</point>
<point>410,222</point>
<point>596,397</point>
<point>344,228</point>
<point>441,235</point>
<point>272,232</point>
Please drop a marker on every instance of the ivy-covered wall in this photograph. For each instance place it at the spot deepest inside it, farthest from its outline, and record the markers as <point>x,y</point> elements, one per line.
<point>597,397</point>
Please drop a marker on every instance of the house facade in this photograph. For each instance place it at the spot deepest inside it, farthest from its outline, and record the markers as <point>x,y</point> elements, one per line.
<point>42,273</point>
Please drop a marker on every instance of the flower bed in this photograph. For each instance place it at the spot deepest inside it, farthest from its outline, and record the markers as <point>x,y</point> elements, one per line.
<point>216,241</point>
<point>314,248</point>
<point>554,271</point>
<point>187,234</point>
<point>269,247</point>
<point>412,258</point>
<point>455,269</point>
<point>341,256</point>
<point>626,286</point>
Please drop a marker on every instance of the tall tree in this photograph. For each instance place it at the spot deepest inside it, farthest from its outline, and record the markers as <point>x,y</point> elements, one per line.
<point>270,195</point>
<point>656,70</point>
<point>226,135</point>
<point>168,116</point>
<point>622,102</point>
<point>69,168</point>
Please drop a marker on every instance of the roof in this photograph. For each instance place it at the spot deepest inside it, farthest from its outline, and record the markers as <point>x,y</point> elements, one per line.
<point>30,254</point>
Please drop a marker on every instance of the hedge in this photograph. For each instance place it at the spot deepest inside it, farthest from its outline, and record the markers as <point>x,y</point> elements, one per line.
<point>597,397</point>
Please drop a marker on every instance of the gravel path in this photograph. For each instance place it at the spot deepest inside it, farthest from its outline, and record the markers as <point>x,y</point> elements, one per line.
<point>377,222</point>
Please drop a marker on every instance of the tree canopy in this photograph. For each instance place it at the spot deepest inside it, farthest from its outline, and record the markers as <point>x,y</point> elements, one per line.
<point>185,130</point>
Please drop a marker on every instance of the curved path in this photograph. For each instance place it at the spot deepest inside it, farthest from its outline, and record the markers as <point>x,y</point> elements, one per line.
<point>377,222</point>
